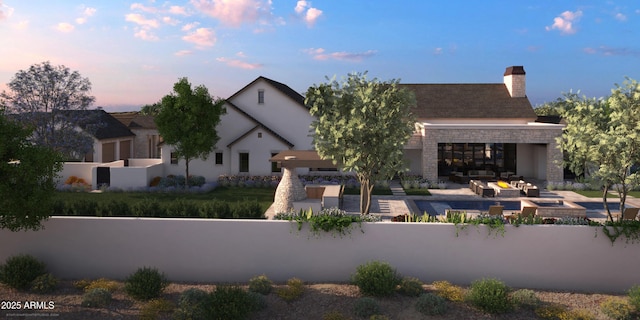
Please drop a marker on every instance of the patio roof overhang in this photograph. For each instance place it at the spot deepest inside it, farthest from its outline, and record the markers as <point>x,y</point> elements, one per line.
<point>301,158</point>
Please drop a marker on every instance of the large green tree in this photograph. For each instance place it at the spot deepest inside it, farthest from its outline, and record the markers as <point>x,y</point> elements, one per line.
<point>187,120</point>
<point>28,180</point>
<point>362,126</point>
<point>50,100</point>
<point>602,138</point>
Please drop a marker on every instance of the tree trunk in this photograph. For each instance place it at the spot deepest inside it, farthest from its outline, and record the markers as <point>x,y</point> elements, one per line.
<point>186,178</point>
<point>365,195</point>
<point>604,201</point>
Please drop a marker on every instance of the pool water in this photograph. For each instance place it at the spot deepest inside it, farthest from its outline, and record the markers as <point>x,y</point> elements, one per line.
<point>438,207</point>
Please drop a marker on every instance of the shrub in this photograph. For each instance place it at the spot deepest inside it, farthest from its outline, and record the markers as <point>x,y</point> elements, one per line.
<point>148,208</point>
<point>411,287</point>
<point>71,180</point>
<point>103,283</point>
<point>490,295</point>
<point>145,283</point>
<point>192,305</point>
<point>260,284</point>
<point>229,303</point>
<point>96,298</point>
<point>114,208</point>
<point>378,317</point>
<point>580,314</point>
<point>634,297</point>
<point>366,307</point>
<point>156,307</point>
<point>617,308</point>
<point>215,209</point>
<point>44,283</point>
<point>293,290</point>
<point>376,278</point>
<point>449,291</point>
<point>334,315</point>
<point>83,208</point>
<point>430,304</point>
<point>81,284</point>
<point>247,209</point>
<point>155,181</point>
<point>19,271</point>
<point>182,208</point>
<point>551,311</point>
<point>257,301</point>
<point>525,298</point>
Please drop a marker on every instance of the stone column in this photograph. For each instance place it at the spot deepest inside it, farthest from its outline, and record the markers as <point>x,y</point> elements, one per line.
<point>289,189</point>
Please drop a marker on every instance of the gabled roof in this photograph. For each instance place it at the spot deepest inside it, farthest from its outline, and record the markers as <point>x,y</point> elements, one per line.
<point>108,126</point>
<point>135,120</point>
<point>468,101</point>
<point>258,124</point>
<point>283,88</point>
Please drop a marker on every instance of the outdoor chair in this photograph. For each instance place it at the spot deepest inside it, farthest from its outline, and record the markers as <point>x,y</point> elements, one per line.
<point>630,213</point>
<point>525,213</point>
<point>495,210</point>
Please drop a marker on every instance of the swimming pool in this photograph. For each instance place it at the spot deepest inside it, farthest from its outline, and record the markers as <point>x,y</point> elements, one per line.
<point>436,207</point>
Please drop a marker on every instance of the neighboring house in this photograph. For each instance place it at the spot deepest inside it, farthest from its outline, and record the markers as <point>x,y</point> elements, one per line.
<point>262,119</point>
<point>491,127</point>
<point>146,143</point>
<point>112,140</point>
<point>461,127</point>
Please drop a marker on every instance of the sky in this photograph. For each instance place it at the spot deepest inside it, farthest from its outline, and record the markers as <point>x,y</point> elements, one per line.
<point>134,51</point>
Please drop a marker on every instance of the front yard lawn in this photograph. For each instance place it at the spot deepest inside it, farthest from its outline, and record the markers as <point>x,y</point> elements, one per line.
<point>596,194</point>
<point>377,191</point>
<point>417,192</point>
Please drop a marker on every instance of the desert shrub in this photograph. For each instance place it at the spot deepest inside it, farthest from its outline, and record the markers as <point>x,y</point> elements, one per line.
<point>334,315</point>
<point>634,297</point>
<point>145,283</point>
<point>44,283</point>
<point>579,314</point>
<point>114,208</point>
<point>81,284</point>
<point>378,317</point>
<point>411,287</point>
<point>148,208</point>
<point>365,307</point>
<point>103,283</point>
<point>196,181</point>
<point>192,305</point>
<point>71,180</point>
<point>96,298</point>
<point>376,278</point>
<point>229,303</point>
<point>19,271</point>
<point>215,209</point>
<point>246,209</point>
<point>525,298</point>
<point>257,301</point>
<point>551,311</point>
<point>293,290</point>
<point>430,304</point>
<point>155,308</point>
<point>58,208</point>
<point>82,208</point>
<point>617,308</point>
<point>449,291</point>
<point>155,181</point>
<point>490,295</point>
<point>182,208</point>
<point>260,284</point>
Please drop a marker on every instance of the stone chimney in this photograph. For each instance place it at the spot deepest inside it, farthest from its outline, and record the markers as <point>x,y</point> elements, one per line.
<point>515,80</point>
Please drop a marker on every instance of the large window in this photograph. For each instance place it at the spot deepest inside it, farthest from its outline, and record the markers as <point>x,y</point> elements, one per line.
<point>244,162</point>
<point>260,96</point>
<point>462,157</point>
<point>218,157</point>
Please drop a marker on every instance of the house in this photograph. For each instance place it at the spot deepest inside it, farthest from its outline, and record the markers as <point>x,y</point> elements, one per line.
<point>262,119</point>
<point>488,128</point>
<point>146,143</point>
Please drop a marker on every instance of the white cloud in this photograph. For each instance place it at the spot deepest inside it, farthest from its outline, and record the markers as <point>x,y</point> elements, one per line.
<point>241,54</point>
<point>183,53</point>
<point>202,37</point>
<point>236,63</point>
<point>146,35</point>
<point>170,21</point>
<point>437,51</point>
<point>141,20</point>
<point>320,54</point>
<point>300,6</point>
<point>190,26</point>
<point>142,7</point>
<point>5,11</point>
<point>89,12</point>
<point>64,27</point>
<point>178,10</point>
<point>565,22</point>
<point>22,25</point>
<point>620,17</point>
<point>234,12</point>
<point>312,14</point>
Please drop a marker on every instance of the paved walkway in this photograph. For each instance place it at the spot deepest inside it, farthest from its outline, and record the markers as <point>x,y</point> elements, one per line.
<point>396,188</point>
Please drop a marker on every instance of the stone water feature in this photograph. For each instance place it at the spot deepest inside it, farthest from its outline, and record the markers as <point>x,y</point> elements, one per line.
<point>289,190</point>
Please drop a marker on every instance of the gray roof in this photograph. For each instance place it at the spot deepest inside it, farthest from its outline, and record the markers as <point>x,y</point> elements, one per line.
<point>135,120</point>
<point>468,101</point>
<point>108,126</point>
<point>283,88</point>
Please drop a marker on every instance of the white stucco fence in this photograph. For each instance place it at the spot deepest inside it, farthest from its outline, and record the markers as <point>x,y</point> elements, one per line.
<point>537,257</point>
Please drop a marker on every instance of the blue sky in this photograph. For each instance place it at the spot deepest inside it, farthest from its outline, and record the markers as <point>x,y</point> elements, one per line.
<point>134,51</point>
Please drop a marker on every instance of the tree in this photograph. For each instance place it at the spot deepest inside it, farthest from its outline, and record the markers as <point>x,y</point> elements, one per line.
<point>28,181</point>
<point>150,109</point>
<point>43,98</point>
<point>602,138</point>
<point>188,119</point>
<point>549,108</point>
<point>362,125</point>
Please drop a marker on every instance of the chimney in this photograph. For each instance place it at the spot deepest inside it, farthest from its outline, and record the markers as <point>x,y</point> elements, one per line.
<point>515,80</point>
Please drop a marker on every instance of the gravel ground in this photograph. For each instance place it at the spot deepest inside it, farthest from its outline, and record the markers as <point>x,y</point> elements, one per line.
<point>318,300</point>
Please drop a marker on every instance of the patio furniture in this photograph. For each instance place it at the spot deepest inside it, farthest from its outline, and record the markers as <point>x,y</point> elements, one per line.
<point>481,189</point>
<point>630,213</point>
<point>495,210</point>
<point>525,213</point>
<point>530,190</point>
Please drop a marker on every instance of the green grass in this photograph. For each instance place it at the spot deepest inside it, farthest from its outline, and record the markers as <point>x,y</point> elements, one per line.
<point>596,194</point>
<point>417,192</point>
<point>377,191</point>
<point>264,196</point>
